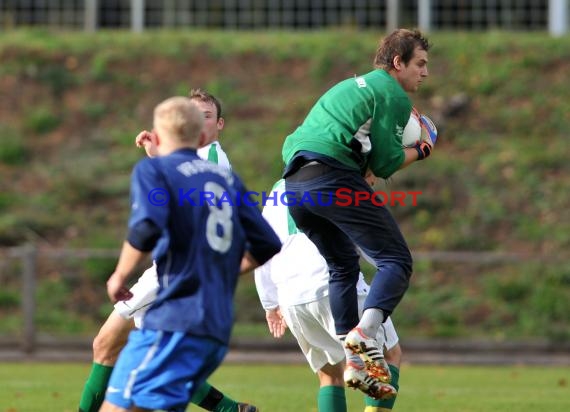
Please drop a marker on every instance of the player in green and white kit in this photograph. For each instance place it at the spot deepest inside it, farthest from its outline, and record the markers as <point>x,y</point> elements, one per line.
<point>213,125</point>
<point>356,126</point>
<point>128,314</point>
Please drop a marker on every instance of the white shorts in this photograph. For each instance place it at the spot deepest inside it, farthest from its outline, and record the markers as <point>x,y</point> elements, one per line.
<point>312,325</point>
<point>144,293</point>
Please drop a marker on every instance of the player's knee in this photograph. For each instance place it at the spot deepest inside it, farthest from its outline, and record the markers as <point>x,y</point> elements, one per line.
<point>328,380</point>
<point>331,375</point>
<point>106,349</point>
<point>99,346</point>
<point>393,356</point>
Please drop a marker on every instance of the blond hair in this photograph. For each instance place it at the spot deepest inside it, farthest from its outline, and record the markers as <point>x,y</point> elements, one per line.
<point>179,118</point>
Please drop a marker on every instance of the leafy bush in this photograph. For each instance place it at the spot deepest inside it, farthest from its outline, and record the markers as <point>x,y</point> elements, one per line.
<point>13,149</point>
<point>41,120</point>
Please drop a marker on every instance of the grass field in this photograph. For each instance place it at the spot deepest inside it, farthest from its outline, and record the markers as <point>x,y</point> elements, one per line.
<point>55,387</point>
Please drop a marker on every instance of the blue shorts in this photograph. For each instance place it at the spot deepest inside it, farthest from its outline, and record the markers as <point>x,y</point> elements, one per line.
<point>161,370</point>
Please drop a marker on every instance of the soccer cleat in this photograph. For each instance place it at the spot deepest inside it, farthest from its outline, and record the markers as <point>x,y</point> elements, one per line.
<point>356,377</point>
<point>368,350</point>
<point>246,407</point>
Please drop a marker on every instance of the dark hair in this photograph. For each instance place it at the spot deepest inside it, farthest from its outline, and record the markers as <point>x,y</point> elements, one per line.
<point>401,42</point>
<point>206,97</point>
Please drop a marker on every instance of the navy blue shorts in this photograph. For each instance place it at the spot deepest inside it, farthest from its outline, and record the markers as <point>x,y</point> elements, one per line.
<point>323,203</point>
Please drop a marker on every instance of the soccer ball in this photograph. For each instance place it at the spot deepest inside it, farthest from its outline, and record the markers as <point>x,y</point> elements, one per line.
<point>429,131</point>
<point>413,131</point>
<point>420,128</point>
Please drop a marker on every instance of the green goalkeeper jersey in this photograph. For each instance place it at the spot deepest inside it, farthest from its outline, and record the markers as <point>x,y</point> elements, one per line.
<point>359,122</point>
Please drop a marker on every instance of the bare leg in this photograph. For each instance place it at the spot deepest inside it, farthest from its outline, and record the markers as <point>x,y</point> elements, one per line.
<point>106,348</point>
<point>394,356</point>
<point>111,339</point>
<point>331,375</point>
<point>331,396</point>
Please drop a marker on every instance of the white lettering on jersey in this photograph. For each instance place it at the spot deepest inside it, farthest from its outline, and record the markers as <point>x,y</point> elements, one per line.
<point>199,166</point>
<point>219,218</point>
<point>360,81</point>
<point>399,132</point>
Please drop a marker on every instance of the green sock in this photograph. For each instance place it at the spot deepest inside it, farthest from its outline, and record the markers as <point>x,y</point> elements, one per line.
<point>331,399</point>
<point>211,399</point>
<point>94,390</point>
<point>200,393</point>
<point>386,404</point>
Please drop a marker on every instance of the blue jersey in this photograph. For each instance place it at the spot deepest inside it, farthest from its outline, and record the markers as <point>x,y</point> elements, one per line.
<point>206,227</point>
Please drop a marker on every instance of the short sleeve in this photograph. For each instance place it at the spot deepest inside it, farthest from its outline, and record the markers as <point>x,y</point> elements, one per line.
<point>150,196</point>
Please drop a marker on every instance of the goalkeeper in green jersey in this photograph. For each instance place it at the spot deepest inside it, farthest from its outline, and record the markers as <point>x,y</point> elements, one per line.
<point>357,126</point>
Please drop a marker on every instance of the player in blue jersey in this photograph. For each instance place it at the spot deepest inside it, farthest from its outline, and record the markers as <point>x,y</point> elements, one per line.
<point>201,237</point>
<point>128,314</point>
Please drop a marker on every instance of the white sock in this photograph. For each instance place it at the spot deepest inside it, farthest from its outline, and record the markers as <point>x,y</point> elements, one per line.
<point>371,321</point>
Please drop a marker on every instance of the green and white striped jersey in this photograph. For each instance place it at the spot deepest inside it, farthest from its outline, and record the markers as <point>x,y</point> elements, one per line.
<point>214,153</point>
<point>298,274</point>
